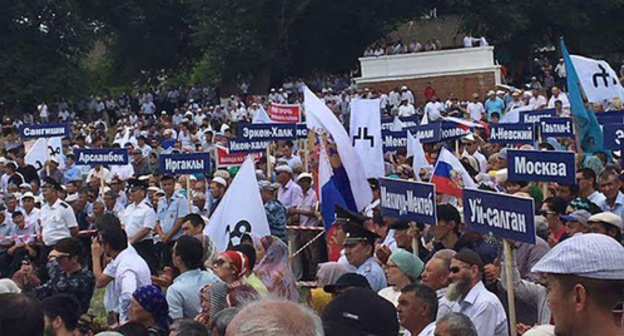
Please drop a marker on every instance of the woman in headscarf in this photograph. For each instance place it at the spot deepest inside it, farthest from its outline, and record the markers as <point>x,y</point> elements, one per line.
<point>153,163</point>
<point>327,274</point>
<point>149,307</point>
<point>213,297</point>
<point>274,268</point>
<point>402,269</point>
<point>231,267</point>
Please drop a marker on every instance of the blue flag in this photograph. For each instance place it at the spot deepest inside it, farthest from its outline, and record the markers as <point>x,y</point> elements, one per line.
<point>589,132</point>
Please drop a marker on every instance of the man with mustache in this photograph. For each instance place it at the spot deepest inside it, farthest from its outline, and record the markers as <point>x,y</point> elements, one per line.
<point>469,296</point>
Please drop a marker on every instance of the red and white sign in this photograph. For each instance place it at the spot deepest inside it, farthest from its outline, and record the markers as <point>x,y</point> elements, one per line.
<point>286,114</point>
<point>225,159</point>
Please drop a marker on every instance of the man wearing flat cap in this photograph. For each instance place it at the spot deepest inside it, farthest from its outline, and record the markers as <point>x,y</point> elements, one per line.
<point>467,295</point>
<point>585,276</point>
<point>139,220</point>
<point>359,246</point>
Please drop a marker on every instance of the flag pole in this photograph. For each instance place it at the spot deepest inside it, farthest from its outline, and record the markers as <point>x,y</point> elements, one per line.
<point>47,157</point>
<point>189,196</point>
<point>577,139</point>
<point>268,161</point>
<point>306,155</point>
<point>511,299</point>
<point>102,184</point>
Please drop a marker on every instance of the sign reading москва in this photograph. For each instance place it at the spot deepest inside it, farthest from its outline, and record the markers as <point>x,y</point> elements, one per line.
<point>545,166</point>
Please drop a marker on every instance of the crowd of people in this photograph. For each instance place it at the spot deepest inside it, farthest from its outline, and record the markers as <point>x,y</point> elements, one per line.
<point>68,231</point>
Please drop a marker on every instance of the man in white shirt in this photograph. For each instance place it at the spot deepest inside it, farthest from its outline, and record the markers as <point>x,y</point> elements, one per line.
<point>406,109</point>
<point>394,97</point>
<point>471,147</point>
<point>470,297</point>
<point>407,94</point>
<point>417,310</point>
<point>467,41</point>
<point>558,95</point>
<point>537,101</point>
<point>58,220</point>
<point>476,110</point>
<point>434,109</point>
<point>289,192</point>
<point>125,273</point>
<point>139,219</point>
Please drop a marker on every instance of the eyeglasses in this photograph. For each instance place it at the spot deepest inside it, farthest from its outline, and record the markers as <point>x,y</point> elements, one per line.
<point>545,212</point>
<point>455,269</point>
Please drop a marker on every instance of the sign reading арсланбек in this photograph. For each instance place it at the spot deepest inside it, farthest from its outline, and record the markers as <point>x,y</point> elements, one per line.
<point>192,163</point>
<point>44,130</point>
<point>414,201</point>
<point>108,157</point>
<point>545,166</point>
<point>503,215</point>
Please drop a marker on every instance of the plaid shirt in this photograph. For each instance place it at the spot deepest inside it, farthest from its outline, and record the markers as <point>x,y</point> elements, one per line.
<point>78,284</point>
<point>276,216</point>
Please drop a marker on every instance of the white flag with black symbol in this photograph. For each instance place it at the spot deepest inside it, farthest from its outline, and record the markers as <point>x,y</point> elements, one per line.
<point>240,211</point>
<point>365,133</point>
<point>598,79</point>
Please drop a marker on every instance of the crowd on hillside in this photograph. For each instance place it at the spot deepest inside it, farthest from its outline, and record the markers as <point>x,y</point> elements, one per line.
<point>67,230</point>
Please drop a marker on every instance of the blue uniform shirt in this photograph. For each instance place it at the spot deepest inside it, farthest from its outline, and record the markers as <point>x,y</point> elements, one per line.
<point>169,211</point>
<point>376,277</point>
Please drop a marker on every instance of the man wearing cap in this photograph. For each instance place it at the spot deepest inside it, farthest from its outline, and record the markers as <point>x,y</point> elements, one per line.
<point>111,205</point>
<point>585,278</point>
<point>58,220</point>
<point>139,220</point>
<point>515,102</point>
<point>31,213</point>
<point>345,282</point>
<point>276,212</point>
<point>558,95</point>
<point>606,223</point>
<point>139,163</point>
<point>359,246</point>
<point>494,105</point>
<point>171,209</point>
<point>471,147</point>
<point>51,169</point>
<point>406,94</point>
<point>217,190</point>
<point>28,171</point>
<point>289,192</point>
<point>476,109</point>
<point>468,295</point>
<point>25,241</point>
<point>406,109</point>
<point>576,222</point>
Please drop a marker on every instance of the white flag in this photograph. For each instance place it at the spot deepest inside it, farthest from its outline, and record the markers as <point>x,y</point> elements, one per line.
<point>261,117</point>
<point>598,79</point>
<point>55,146</point>
<point>240,211</point>
<point>36,156</point>
<point>415,149</point>
<point>397,125</point>
<point>425,120</point>
<point>365,133</point>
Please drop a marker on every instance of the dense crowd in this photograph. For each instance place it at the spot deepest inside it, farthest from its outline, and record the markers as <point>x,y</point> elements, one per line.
<point>68,231</point>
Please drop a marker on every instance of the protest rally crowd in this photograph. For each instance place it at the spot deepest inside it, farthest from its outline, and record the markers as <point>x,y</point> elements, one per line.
<point>334,232</point>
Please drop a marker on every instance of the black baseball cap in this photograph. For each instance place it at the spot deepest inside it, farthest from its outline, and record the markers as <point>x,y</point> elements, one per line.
<point>52,183</point>
<point>348,280</point>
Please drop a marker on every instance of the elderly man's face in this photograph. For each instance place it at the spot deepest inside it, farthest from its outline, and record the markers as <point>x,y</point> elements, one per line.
<point>461,278</point>
<point>217,190</point>
<point>408,309</point>
<point>610,186</point>
<point>434,275</point>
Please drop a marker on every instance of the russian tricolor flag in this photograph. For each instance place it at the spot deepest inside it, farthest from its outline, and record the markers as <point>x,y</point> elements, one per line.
<point>449,175</point>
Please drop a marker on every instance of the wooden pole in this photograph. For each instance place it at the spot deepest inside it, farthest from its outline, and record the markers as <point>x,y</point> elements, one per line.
<point>268,160</point>
<point>102,183</point>
<point>189,195</point>
<point>511,299</point>
<point>306,156</point>
<point>457,148</point>
<point>47,157</point>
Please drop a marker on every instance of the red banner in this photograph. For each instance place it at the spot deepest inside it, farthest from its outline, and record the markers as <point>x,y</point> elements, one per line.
<point>286,114</point>
<point>225,159</point>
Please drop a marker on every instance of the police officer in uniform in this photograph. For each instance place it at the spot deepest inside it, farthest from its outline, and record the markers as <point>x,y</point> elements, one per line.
<point>359,246</point>
<point>171,209</point>
<point>139,220</point>
<point>57,219</point>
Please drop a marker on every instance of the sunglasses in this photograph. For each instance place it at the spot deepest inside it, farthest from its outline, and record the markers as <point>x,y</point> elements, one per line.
<point>455,269</point>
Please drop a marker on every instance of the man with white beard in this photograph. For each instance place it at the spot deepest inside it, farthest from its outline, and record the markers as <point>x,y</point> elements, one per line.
<point>467,295</point>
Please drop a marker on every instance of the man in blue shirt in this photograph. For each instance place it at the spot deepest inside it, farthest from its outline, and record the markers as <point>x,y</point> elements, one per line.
<point>359,246</point>
<point>494,104</point>
<point>171,209</point>
<point>70,173</point>
<point>183,294</point>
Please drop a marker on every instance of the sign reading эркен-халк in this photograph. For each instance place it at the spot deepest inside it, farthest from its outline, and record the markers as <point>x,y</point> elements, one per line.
<point>414,201</point>
<point>545,166</point>
<point>503,215</point>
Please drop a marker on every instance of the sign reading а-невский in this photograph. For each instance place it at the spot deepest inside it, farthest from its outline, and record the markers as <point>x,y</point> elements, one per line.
<point>247,146</point>
<point>512,133</point>
<point>108,157</point>
<point>557,127</point>
<point>193,163</point>
<point>44,130</point>
<point>268,132</point>
<point>414,201</point>
<point>545,166</point>
<point>503,215</point>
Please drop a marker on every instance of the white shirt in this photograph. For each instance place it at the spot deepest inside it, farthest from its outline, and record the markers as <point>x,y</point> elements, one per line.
<point>129,272</point>
<point>428,331</point>
<point>406,110</point>
<point>394,98</point>
<point>467,41</point>
<point>480,159</point>
<point>476,110</point>
<point>56,220</point>
<point>97,174</point>
<point>290,195</point>
<point>32,218</point>
<point>597,197</point>
<point>391,295</point>
<point>124,172</point>
<point>407,94</point>
<point>484,310</point>
<point>137,217</point>
<point>538,103</point>
<point>434,110</point>
<point>562,97</point>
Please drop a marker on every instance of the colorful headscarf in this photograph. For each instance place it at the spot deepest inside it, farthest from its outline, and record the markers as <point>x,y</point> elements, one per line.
<point>329,273</point>
<point>239,260</point>
<point>274,269</point>
<point>154,302</point>
<point>214,299</point>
